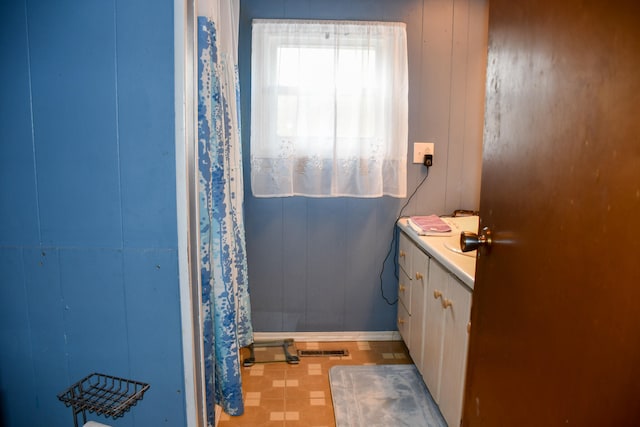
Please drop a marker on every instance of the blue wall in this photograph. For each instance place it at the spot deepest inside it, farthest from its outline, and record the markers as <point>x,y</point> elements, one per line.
<point>314,264</point>
<point>88,241</point>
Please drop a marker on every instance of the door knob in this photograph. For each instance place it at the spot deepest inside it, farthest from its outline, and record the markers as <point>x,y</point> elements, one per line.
<point>471,241</point>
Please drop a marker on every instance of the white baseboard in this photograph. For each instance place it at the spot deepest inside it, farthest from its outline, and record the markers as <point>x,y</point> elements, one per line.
<point>218,414</point>
<point>328,336</point>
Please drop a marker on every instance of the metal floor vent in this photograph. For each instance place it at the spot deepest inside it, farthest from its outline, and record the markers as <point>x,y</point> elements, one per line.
<point>315,353</point>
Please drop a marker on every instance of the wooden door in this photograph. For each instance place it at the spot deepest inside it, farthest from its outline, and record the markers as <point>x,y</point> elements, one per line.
<point>555,335</point>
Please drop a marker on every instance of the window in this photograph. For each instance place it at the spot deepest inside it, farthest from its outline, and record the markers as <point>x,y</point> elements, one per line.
<point>328,109</point>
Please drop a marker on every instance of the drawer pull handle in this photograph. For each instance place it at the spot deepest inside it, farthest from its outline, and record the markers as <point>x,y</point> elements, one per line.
<point>419,276</point>
<point>446,303</point>
<point>437,294</point>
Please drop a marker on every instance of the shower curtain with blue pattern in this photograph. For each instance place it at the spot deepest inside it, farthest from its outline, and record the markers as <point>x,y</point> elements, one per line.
<point>223,263</point>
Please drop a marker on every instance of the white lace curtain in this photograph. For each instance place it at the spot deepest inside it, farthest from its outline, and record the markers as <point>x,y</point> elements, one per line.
<point>328,108</point>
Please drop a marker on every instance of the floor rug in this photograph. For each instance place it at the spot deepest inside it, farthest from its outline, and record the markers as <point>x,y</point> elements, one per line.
<point>382,395</point>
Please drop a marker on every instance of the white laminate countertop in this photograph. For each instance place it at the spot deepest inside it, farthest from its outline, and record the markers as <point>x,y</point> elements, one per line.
<point>446,249</point>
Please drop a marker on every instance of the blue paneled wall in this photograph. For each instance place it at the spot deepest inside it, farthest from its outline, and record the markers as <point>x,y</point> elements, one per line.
<point>314,264</point>
<point>88,241</point>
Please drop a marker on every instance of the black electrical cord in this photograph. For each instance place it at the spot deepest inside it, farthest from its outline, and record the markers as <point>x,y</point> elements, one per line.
<point>393,242</point>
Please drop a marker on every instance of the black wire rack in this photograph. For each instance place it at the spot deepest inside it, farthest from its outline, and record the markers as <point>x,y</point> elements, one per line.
<point>104,395</point>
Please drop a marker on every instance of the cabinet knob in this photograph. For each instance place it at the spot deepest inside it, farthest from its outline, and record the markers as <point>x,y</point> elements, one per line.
<point>419,276</point>
<point>402,254</point>
<point>446,303</point>
<point>400,321</point>
<point>403,288</point>
<point>437,294</point>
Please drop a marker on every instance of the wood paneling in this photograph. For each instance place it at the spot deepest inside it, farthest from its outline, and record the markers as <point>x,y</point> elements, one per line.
<point>314,264</point>
<point>88,235</point>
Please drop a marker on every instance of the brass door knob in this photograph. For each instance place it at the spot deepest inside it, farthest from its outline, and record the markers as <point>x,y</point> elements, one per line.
<point>437,294</point>
<point>471,241</point>
<point>419,276</point>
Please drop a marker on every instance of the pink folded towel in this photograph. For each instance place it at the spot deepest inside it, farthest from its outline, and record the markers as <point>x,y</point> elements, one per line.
<point>430,224</point>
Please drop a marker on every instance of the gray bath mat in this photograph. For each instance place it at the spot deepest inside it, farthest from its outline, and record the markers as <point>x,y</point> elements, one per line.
<point>382,395</point>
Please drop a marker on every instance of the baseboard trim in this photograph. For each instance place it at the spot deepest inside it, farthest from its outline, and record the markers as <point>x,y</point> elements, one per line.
<point>329,336</point>
<point>218,415</point>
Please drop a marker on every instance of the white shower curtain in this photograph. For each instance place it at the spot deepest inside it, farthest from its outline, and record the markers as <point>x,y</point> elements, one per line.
<point>225,293</point>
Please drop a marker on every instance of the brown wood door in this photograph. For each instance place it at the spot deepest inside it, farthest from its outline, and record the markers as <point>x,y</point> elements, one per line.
<point>555,323</point>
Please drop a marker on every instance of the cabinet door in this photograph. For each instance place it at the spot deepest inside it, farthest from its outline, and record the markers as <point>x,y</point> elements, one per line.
<point>434,328</point>
<point>454,351</point>
<point>420,264</point>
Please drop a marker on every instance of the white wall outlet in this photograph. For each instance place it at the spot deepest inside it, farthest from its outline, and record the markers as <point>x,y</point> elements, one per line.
<point>420,149</point>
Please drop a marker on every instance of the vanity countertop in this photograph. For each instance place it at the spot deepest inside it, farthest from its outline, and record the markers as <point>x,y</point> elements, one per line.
<point>446,248</point>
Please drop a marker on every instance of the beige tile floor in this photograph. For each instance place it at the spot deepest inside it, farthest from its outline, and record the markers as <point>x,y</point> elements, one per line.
<point>281,394</point>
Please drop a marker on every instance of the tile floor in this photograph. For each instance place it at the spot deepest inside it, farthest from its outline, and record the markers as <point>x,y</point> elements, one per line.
<point>280,394</point>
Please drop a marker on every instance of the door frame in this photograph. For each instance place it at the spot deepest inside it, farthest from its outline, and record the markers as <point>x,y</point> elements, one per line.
<point>185,93</point>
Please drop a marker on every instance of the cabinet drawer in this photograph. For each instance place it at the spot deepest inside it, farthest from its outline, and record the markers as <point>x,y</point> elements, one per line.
<point>404,290</point>
<point>404,322</point>
<point>404,252</point>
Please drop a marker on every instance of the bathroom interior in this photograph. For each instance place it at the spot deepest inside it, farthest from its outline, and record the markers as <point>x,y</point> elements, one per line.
<point>97,267</point>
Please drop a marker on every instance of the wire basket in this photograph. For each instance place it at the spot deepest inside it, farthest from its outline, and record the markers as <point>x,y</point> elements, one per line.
<point>103,394</point>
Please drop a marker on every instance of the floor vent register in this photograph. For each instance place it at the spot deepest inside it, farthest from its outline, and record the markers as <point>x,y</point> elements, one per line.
<point>316,353</point>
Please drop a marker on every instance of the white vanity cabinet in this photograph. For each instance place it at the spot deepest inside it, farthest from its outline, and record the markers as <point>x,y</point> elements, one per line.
<point>435,288</point>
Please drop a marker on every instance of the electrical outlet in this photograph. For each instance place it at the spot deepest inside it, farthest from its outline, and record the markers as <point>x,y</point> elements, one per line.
<point>420,149</point>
